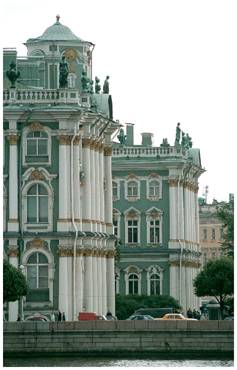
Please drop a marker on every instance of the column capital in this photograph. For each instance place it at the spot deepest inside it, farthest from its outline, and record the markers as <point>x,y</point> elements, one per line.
<point>13,251</point>
<point>108,151</point>
<point>110,254</point>
<point>13,138</point>
<point>86,142</point>
<point>64,139</point>
<point>173,182</point>
<point>65,251</point>
<point>101,147</point>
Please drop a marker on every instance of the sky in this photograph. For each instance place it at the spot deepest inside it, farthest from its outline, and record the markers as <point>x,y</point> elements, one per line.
<point>169,61</point>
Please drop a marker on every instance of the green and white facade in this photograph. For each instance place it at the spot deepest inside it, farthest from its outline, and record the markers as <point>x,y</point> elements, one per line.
<point>58,179</point>
<point>156,218</point>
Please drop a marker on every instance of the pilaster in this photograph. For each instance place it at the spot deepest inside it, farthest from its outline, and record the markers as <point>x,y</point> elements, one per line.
<point>13,221</point>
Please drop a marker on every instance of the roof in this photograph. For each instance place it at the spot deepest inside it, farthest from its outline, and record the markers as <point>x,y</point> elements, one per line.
<point>56,32</point>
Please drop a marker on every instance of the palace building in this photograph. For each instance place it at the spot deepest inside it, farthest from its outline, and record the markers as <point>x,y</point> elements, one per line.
<point>156,216</point>
<point>57,176</point>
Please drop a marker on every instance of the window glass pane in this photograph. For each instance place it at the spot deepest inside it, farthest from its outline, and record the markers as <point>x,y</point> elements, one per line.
<point>32,277</point>
<point>30,134</point>
<point>32,258</point>
<point>36,133</point>
<point>43,209</point>
<point>43,134</point>
<point>135,239</point>
<point>31,147</point>
<point>43,282</point>
<point>42,190</point>
<point>130,240</point>
<point>32,190</point>
<point>43,271</point>
<point>42,258</point>
<point>42,147</point>
<point>31,209</point>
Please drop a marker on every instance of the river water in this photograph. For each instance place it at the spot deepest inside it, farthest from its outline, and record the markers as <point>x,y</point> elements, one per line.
<point>67,361</point>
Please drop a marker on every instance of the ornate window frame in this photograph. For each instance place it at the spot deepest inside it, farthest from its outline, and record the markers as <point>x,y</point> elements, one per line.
<point>37,176</point>
<point>153,177</point>
<point>132,214</point>
<point>132,178</point>
<point>132,269</point>
<point>117,196</point>
<point>36,126</point>
<point>39,245</point>
<point>151,270</point>
<point>154,214</point>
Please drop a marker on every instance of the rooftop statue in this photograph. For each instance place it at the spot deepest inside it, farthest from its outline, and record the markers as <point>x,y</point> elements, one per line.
<point>122,137</point>
<point>106,86</point>
<point>178,132</point>
<point>164,143</point>
<point>189,140</point>
<point>12,74</point>
<point>63,73</point>
<point>97,85</point>
<point>85,82</point>
<point>91,87</point>
<point>186,141</point>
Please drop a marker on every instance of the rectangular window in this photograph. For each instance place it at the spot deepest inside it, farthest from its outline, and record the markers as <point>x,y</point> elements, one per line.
<point>115,223</point>
<point>42,147</point>
<point>154,231</point>
<point>132,231</point>
<point>213,234</point>
<point>31,209</point>
<point>205,234</point>
<point>43,209</point>
<point>53,76</point>
<point>32,277</point>
<point>43,276</point>
<point>31,147</point>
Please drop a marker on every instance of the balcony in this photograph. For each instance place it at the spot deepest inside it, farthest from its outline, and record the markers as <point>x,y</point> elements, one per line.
<point>44,96</point>
<point>136,152</point>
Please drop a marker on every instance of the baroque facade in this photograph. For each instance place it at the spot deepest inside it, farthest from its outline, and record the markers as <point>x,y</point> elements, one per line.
<point>57,176</point>
<point>156,217</point>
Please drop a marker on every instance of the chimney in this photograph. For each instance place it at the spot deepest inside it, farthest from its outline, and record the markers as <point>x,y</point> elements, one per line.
<point>147,138</point>
<point>129,133</point>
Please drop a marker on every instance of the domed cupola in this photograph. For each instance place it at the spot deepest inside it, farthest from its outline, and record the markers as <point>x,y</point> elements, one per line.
<point>58,32</point>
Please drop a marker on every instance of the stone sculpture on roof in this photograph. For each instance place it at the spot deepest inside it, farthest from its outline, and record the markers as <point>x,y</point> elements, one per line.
<point>63,73</point>
<point>12,74</point>
<point>106,86</point>
<point>97,85</point>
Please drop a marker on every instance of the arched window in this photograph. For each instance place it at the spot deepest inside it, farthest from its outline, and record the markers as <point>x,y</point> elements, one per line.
<point>154,284</point>
<point>37,271</point>
<point>37,204</point>
<point>154,188</point>
<point>132,189</point>
<point>37,144</point>
<point>132,284</point>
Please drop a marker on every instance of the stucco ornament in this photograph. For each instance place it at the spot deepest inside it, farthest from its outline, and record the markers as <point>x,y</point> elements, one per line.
<point>12,74</point>
<point>63,73</point>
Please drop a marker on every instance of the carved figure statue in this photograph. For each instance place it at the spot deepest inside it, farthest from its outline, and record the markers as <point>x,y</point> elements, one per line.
<point>12,74</point>
<point>91,86</point>
<point>85,82</point>
<point>177,138</point>
<point>63,73</point>
<point>165,143</point>
<point>106,86</point>
<point>122,137</point>
<point>189,141</point>
<point>97,85</point>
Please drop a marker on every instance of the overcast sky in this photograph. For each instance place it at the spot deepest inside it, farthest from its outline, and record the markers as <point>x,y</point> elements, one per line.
<point>168,62</point>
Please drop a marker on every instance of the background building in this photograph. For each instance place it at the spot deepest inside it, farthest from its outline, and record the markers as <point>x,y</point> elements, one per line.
<point>156,216</point>
<point>57,176</point>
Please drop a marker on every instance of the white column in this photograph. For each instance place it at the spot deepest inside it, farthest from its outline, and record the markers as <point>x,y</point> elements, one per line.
<point>76,181</point>
<point>97,188</point>
<point>92,181</point>
<point>13,260</point>
<point>64,204</point>
<point>13,222</point>
<point>108,190</point>
<point>184,288</point>
<point>102,191</point>
<point>172,209</point>
<point>95,282</point>
<point>104,283</point>
<point>88,288</point>
<point>86,205</point>
<point>63,297</point>
<point>79,283</point>
<point>110,282</point>
<point>99,284</point>
<point>173,290</point>
<point>180,205</point>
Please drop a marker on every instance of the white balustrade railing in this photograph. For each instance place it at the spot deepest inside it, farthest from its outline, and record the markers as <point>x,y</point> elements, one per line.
<point>26,96</point>
<point>135,152</point>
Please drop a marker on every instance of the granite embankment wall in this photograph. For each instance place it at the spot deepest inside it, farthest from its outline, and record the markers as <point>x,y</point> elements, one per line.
<point>100,337</point>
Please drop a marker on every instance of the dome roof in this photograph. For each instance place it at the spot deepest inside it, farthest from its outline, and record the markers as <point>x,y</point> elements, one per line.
<point>58,32</point>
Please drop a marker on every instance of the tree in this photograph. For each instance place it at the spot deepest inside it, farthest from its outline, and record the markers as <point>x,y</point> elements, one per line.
<point>14,283</point>
<point>217,280</point>
<point>127,304</point>
<point>225,212</point>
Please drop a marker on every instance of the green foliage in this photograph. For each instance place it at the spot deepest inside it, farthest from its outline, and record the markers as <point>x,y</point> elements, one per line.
<point>225,212</point>
<point>14,283</point>
<point>217,280</point>
<point>127,304</point>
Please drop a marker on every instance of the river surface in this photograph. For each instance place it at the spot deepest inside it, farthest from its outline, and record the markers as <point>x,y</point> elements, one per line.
<point>67,361</point>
